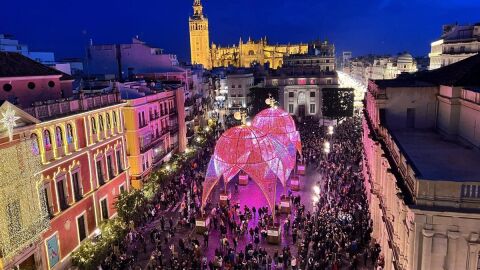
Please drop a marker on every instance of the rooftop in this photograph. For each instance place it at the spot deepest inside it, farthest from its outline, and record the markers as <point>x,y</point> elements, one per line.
<point>16,65</point>
<point>435,158</point>
<point>463,73</point>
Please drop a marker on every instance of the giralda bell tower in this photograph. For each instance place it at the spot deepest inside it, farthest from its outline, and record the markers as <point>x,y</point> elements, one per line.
<point>199,37</point>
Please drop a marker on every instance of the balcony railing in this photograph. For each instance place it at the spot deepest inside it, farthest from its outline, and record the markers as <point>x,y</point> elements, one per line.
<point>154,142</point>
<point>84,102</point>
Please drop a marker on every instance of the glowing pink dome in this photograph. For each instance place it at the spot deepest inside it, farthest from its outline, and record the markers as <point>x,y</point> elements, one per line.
<point>279,124</point>
<point>249,149</point>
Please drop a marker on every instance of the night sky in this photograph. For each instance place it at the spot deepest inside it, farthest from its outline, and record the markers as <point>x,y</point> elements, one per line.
<point>362,26</point>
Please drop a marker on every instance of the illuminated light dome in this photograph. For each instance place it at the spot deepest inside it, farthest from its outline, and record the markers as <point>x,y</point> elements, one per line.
<point>281,126</point>
<point>248,149</point>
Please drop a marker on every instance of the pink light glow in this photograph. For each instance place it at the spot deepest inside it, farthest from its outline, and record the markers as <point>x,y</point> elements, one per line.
<point>278,124</point>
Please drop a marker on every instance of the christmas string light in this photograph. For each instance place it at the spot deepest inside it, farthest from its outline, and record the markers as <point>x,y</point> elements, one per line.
<point>23,210</point>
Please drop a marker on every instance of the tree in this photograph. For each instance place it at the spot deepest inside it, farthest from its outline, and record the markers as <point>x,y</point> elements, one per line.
<point>257,97</point>
<point>337,102</point>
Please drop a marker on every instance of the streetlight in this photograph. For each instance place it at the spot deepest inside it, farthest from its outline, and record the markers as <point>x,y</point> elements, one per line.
<point>330,130</point>
<point>326,145</point>
<point>316,189</point>
<point>167,167</point>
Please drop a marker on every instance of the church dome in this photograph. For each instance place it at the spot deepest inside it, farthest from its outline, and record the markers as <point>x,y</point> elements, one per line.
<point>405,58</point>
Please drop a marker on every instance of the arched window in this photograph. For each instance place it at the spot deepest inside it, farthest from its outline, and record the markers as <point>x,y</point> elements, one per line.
<point>35,147</point>
<point>69,134</point>
<point>114,119</point>
<point>100,122</point>
<point>108,121</point>
<point>94,125</point>
<point>251,52</point>
<point>47,140</point>
<point>58,136</point>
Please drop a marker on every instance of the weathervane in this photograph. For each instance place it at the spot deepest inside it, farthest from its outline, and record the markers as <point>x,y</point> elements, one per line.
<point>9,121</point>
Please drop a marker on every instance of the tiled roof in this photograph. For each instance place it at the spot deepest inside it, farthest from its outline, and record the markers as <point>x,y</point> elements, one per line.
<point>17,65</point>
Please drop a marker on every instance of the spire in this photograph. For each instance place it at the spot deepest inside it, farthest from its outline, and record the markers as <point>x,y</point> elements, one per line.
<point>197,8</point>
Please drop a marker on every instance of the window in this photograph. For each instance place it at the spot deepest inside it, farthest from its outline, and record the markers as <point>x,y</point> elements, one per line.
<point>31,85</point>
<point>94,125</point>
<point>82,230</point>
<point>14,217</point>
<point>233,85</point>
<point>7,87</point>
<point>58,136</point>
<point>290,108</point>
<point>47,140</point>
<point>114,118</point>
<point>48,202</point>
<point>119,161</point>
<point>51,84</point>
<point>122,188</point>
<point>239,86</point>
<point>100,178</point>
<point>312,94</point>
<point>291,94</point>
<point>100,122</point>
<point>61,194</point>
<point>35,147</point>
<point>69,134</point>
<point>111,173</point>
<point>312,108</point>
<point>77,190</point>
<point>329,81</point>
<point>104,208</point>
<point>109,126</point>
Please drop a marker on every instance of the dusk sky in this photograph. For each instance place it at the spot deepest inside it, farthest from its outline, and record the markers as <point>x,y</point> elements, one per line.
<point>368,26</point>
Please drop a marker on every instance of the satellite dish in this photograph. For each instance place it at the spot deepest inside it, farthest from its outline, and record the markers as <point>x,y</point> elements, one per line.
<point>237,115</point>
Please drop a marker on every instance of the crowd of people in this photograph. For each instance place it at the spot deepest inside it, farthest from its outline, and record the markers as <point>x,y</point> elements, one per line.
<point>338,233</point>
<point>335,235</point>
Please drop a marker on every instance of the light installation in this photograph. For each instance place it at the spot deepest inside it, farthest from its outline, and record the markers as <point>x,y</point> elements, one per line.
<point>9,120</point>
<point>23,209</point>
<point>279,125</point>
<point>248,149</point>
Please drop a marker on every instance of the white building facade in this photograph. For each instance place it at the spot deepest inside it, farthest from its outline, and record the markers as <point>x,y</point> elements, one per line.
<point>238,86</point>
<point>421,168</point>
<point>456,43</point>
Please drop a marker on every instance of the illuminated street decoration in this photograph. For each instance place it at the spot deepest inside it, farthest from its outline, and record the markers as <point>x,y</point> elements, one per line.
<point>24,213</point>
<point>279,125</point>
<point>248,149</point>
<point>9,120</point>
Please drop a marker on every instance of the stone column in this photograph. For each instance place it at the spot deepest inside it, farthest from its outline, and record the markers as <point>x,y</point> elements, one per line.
<point>452,249</point>
<point>411,245</point>
<point>426,248</point>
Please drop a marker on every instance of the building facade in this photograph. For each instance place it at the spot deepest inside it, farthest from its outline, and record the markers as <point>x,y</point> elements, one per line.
<point>238,86</point>
<point>154,128</point>
<point>123,61</point>
<point>242,55</point>
<point>8,43</point>
<point>368,68</point>
<point>421,167</point>
<point>300,94</point>
<point>456,43</point>
<point>79,144</point>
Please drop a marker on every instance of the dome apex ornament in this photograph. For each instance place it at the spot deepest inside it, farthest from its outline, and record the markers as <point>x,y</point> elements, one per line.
<point>271,101</point>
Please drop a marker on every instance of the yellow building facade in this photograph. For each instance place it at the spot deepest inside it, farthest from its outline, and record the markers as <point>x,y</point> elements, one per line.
<point>242,55</point>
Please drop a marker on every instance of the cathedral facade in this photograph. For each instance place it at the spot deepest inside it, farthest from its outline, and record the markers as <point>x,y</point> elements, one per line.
<point>242,55</point>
